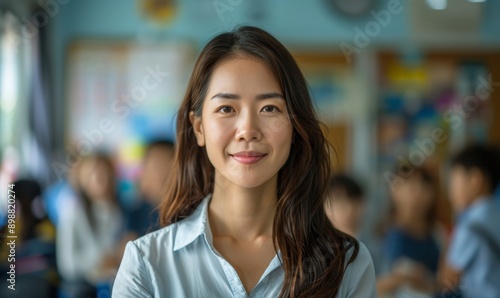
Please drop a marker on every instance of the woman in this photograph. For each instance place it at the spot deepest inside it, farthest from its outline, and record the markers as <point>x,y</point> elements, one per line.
<point>244,210</point>
<point>89,230</point>
<point>411,251</point>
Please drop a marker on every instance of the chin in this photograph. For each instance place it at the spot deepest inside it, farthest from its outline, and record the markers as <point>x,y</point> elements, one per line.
<point>249,181</point>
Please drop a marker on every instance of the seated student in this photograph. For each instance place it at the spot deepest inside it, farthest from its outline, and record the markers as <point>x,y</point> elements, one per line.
<point>473,259</point>
<point>411,250</point>
<point>156,168</point>
<point>89,230</point>
<point>34,260</point>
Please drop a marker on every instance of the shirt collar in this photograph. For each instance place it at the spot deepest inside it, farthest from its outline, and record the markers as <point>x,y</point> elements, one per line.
<point>192,226</point>
<point>474,208</point>
<point>196,224</point>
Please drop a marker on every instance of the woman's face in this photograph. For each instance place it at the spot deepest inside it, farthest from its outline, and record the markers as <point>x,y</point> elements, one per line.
<point>244,123</point>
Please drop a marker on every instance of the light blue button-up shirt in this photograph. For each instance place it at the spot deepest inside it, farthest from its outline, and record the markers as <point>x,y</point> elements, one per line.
<point>471,253</point>
<point>181,261</point>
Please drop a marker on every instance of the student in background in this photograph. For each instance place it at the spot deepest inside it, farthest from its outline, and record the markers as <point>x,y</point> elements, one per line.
<point>35,259</point>
<point>345,207</point>
<point>411,250</point>
<point>473,258</point>
<point>89,229</point>
<point>156,168</point>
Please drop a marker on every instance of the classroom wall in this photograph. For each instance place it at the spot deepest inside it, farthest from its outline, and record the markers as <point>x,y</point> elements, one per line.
<point>309,25</point>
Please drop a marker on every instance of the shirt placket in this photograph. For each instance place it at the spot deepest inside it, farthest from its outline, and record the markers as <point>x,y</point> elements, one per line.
<point>231,275</point>
<point>234,280</point>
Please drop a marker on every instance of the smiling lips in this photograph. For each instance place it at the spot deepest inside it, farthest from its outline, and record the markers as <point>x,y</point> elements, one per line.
<point>248,157</point>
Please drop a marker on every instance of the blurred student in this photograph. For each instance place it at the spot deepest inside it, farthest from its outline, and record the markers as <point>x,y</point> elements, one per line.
<point>411,250</point>
<point>345,205</point>
<point>156,168</point>
<point>89,229</point>
<point>35,259</point>
<point>473,259</point>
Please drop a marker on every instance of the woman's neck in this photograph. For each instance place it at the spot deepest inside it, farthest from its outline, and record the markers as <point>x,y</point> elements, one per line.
<point>244,214</point>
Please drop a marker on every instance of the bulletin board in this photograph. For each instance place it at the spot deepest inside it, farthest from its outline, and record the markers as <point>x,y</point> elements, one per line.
<point>121,95</point>
<point>123,91</point>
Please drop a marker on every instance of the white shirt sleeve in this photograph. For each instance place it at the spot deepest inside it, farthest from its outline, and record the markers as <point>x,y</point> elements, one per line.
<point>132,279</point>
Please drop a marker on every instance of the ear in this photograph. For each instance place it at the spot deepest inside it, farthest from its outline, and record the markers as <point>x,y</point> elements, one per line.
<point>197,128</point>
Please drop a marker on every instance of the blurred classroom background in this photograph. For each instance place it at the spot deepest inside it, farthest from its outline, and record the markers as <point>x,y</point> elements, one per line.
<point>399,84</point>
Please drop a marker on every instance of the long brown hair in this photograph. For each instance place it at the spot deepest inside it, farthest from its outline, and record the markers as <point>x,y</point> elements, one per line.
<point>95,160</point>
<point>313,251</point>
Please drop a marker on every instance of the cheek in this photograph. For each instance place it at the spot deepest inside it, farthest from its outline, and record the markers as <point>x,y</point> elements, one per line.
<point>280,135</point>
<point>217,130</point>
<point>217,135</point>
<point>279,125</point>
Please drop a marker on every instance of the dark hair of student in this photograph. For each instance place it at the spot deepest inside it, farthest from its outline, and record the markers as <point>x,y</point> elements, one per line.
<point>343,182</point>
<point>313,251</point>
<point>484,158</point>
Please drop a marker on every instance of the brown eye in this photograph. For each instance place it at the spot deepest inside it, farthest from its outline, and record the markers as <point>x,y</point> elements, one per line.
<point>225,110</point>
<point>270,109</point>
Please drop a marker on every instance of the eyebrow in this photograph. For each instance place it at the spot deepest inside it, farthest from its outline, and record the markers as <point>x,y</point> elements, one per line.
<point>259,97</point>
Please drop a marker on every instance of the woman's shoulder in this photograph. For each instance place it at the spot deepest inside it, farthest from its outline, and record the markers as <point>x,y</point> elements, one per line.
<point>359,277</point>
<point>143,263</point>
<point>363,258</point>
<point>175,236</point>
<point>157,241</point>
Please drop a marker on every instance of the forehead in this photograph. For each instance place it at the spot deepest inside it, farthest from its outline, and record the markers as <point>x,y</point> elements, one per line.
<point>242,74</point>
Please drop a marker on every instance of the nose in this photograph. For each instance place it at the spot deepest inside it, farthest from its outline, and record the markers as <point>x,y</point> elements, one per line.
<point>248,128</point>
